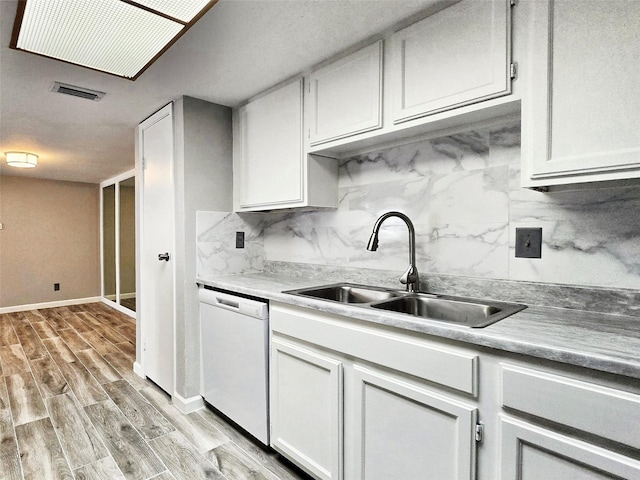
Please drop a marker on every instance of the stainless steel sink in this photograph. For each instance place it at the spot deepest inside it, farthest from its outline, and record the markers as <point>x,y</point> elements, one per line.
<point>347,293</point>
<point>456,310</point>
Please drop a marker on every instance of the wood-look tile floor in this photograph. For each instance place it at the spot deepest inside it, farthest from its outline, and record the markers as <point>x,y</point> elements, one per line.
<point>71,407</point>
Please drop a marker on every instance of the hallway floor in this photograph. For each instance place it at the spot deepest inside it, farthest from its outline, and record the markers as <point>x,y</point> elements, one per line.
<point>71,407</point>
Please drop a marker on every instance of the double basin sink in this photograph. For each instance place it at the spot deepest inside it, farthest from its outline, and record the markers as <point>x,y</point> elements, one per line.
<point>455,310</point>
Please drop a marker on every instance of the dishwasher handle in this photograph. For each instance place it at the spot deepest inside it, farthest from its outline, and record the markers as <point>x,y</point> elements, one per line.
<point>226,303</point>
<point>241,305</point>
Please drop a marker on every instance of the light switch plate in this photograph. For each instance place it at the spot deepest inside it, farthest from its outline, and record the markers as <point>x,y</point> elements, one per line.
<point>529,242</point>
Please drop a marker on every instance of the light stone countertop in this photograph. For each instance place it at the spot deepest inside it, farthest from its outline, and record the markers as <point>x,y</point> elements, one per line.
<point>608,343</point>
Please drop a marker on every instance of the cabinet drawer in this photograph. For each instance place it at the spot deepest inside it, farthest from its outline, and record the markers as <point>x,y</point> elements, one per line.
<point>445,365</point>
<point>602,411</point>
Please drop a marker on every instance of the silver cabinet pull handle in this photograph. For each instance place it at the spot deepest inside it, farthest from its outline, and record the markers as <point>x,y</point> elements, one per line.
<point>163,256</point>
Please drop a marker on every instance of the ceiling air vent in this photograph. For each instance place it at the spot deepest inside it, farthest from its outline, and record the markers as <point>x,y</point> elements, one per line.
<point>77,91</point>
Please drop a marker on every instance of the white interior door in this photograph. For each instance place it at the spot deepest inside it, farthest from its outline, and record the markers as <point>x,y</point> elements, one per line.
<point>157,275</point>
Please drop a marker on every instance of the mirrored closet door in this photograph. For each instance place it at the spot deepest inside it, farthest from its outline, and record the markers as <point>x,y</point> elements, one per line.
<point>119,241</point>
<point>109,242</point>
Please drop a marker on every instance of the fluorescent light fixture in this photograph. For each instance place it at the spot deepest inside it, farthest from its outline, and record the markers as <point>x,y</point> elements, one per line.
<point>21,159</point>
<point>121,37</point>
<point>182,10</point>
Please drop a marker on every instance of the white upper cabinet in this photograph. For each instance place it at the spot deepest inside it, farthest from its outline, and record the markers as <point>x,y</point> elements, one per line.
<point>345,97</point>
<point>270,168</point>
<point>580,119</point>
<point>458,56</point>
<point>451,68</point>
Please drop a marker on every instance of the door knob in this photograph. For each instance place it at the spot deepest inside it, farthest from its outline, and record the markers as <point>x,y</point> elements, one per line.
<point>163,256</point>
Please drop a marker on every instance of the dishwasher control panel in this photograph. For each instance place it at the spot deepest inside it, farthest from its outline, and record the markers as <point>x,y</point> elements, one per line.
<point>245,306</point>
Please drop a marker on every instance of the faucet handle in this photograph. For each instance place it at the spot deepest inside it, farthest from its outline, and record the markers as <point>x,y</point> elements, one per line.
<point>410,279</point>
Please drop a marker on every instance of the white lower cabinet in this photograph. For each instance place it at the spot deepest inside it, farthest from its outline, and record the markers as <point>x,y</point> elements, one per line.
<point>338,416</point>
<point>306,392</point>
<point>532,452</point>
<point>575,429</point>
<point>402,430</point>
<point>353,400</point>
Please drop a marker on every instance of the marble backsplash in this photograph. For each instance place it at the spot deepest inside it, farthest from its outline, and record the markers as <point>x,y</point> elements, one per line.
<point>462,193</point>
<point>216,243</point>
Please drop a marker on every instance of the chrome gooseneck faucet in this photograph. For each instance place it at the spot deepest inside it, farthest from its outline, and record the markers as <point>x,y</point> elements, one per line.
<point>410,277</point>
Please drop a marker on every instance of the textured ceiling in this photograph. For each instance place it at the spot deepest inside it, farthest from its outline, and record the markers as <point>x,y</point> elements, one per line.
<point>236,50</point>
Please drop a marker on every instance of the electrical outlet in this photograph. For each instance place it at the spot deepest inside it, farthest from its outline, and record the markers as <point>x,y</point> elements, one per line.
<point>529,242</point>
<point>239,239</point>
<point>56,287</point>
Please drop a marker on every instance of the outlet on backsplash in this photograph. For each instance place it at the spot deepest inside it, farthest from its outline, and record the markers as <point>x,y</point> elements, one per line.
<point>529,242</point>
<point>239,239</point>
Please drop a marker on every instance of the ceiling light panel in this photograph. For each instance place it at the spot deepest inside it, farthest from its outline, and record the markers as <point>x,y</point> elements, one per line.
<point>183,10</point>
<point>107,35</point>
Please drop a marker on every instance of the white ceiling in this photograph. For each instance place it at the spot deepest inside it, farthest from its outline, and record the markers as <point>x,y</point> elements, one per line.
<point>236,50</point>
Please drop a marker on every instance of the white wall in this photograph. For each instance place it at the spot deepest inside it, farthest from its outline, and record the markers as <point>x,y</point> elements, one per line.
<point>203,169</point>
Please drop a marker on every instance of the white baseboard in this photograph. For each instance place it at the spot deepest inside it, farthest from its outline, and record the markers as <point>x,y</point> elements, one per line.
<point>128,295</point>
<point>120,308</point>
<point>57,303</point>
<point>187,405</point>
<point>138,370</point>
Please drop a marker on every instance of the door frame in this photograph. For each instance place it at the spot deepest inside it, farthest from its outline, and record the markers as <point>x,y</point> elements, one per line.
<point>142,329</point>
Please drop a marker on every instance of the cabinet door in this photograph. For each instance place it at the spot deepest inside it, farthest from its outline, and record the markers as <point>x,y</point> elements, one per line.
<point>403,431</point>
<point>269,167</point>
<point>345,97</point>
<point>580,114</point>
<point>531,452</point>
<point>306,408</point>
<point>459,55</point>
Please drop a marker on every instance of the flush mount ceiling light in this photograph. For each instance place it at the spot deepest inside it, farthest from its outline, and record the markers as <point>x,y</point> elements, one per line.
<point>21,159</point>
<point>120,37</point>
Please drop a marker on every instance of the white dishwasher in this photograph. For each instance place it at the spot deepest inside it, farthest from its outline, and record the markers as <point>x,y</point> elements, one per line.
<point>235,352</point>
